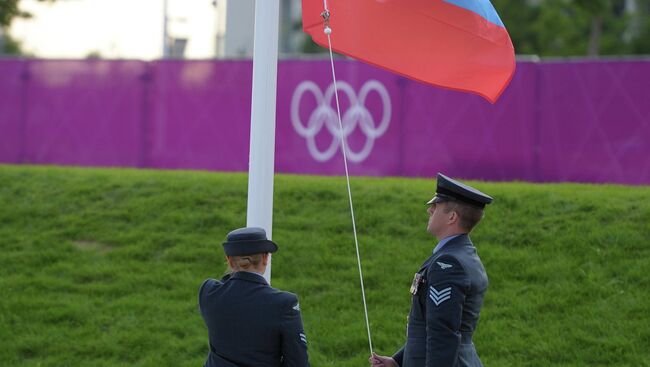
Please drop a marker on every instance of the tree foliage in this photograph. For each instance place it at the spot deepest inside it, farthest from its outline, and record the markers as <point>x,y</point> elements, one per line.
<point>576,27</point>
<point>10,10</point>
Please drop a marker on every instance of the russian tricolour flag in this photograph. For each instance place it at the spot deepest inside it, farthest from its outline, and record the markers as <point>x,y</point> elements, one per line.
<point>456,44</point>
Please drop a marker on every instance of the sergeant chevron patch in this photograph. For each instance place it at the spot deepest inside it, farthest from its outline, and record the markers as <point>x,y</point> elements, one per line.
<point>439,296</point>
<point>443,266</point>
<point>297,307</point>
<point>303,337</point>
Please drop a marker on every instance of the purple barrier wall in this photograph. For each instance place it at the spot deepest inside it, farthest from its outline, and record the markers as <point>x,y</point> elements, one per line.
<point>200,115</point>
<point>595,122</point>
<point>573,121</point>
<point>428,129</point>
<point>12,110</point>
<point>467,137</point>
<point>84,112</point>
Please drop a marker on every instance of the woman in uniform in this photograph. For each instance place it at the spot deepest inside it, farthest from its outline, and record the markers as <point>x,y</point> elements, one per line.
<point>251,324</point>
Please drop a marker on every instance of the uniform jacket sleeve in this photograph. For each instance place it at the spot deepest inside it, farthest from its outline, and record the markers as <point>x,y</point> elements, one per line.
<point>399,356</point>
<point>200,297</point>
<point>447,285</point>
<point>294,339</point>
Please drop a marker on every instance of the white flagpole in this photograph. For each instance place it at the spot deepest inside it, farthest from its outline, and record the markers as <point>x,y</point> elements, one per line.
<point>262,143</point>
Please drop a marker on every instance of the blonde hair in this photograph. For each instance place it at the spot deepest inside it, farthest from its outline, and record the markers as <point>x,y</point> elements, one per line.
<point>245,263</point>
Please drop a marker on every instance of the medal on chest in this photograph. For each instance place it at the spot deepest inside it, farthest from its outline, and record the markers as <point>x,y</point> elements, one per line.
<point>417,280</point>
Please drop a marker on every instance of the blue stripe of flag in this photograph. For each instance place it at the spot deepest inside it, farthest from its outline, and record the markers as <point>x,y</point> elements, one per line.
<point>481,7</point>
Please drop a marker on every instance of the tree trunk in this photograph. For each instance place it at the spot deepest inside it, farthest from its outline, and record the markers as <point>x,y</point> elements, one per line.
<point>2,41</point>
<point>594,35</point>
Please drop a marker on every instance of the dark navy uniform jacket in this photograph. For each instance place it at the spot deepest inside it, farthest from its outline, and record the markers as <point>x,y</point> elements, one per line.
<point>251,324</point>
<point>445,309</point>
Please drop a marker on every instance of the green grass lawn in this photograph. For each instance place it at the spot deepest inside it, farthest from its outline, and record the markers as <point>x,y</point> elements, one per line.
<point>101,267</point>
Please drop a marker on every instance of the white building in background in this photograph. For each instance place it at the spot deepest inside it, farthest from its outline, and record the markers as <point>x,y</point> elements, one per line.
<point>135,29</point>
<point>239,27</point>
<point>238,33</point>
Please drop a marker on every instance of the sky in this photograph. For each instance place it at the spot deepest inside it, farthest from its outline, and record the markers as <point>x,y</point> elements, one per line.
<point>128,29</point>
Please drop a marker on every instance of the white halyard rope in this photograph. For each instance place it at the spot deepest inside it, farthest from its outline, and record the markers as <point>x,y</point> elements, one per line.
<point>327,30</point>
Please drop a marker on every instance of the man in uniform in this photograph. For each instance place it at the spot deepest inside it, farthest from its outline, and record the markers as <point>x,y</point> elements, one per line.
<point>448,289</point>
<point>251,324</point>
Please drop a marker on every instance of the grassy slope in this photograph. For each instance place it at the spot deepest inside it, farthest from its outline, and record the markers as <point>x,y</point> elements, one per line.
<point>101,267</point>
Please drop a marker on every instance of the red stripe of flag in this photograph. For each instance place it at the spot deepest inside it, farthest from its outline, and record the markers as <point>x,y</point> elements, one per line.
<point>432,41</point>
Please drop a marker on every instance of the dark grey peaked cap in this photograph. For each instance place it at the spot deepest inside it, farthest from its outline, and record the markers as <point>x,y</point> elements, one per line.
<point>248,241</point>
<point>450,189</point>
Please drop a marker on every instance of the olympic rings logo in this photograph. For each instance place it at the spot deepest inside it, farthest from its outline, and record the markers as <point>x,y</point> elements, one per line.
<point>325,116</point>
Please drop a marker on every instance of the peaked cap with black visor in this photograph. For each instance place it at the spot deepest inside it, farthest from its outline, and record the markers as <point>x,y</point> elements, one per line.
<point>448,189</point>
